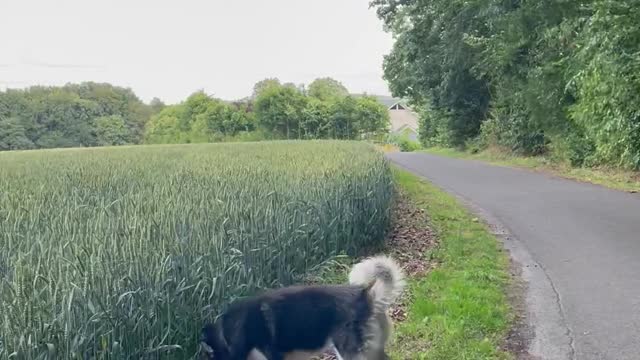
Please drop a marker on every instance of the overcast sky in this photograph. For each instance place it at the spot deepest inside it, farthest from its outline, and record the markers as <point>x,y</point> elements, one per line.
<point>169,49</point>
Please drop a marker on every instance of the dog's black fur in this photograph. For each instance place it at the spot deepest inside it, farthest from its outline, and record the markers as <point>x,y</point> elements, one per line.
<point>292,319</point>
<point>301,321</point>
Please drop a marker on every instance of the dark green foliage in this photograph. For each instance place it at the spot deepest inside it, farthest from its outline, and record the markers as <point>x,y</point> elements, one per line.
<point>315,119</point>
<point>13,135</point>
<point>111,130</point>
<point>279,110</point>
<point>201,118</point>
<point>432,62</point>
<point>531,76</point>
<point>75,115</point>
<point>287,113</point>
<point>274,111</point>
<point>607,81</point>
<point>91,114</point>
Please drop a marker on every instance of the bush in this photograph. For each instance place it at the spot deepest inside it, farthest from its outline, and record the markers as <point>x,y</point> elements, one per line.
<point>403,143</point>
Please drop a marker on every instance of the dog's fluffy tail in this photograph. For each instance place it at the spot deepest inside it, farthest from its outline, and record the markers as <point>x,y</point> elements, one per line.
<point>384,278</point>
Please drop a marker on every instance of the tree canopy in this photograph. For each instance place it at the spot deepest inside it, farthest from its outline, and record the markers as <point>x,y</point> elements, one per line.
<point>288,113</point>
<point>201,118</point>
<point>275,111</point>
<point>546,76</point>
<point>75,115</point>
<point>92,114</point>
<point>327,89</point>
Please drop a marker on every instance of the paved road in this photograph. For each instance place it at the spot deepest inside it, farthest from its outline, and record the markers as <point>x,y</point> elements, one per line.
<point>579,245</point>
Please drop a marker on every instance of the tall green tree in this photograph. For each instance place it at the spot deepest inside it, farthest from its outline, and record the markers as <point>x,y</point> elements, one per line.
<point>316,119</point>
<point>374,117</point>
<point>68,116</point>
<point>111,130</point>
<point>13,135</point>
<point>279,110</point>
<point>433,63</point>
<point>200,118</point>
<point>156,105</point>
<point>264,84</point>
<point>164,128</point>
<point>327,89</point>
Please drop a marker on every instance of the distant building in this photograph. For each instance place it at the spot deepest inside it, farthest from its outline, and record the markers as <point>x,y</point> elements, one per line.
<point>403,120</point>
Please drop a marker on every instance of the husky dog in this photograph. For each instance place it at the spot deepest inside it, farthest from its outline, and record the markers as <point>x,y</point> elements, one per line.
<point>298,322</point>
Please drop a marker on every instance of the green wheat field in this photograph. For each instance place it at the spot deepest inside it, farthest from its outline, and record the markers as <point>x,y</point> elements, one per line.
<point>122,253</point>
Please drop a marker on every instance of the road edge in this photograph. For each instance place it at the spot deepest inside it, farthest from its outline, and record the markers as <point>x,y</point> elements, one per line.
<point>544,330</point>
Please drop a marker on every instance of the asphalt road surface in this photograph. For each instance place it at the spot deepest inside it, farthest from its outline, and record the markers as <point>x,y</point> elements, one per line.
<point>578,245</point>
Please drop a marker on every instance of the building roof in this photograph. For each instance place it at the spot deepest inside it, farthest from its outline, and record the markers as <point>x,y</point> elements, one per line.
<point>387,101</point>
<point>401,119</point>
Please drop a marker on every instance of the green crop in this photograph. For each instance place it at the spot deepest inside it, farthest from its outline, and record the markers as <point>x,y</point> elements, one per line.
<point>118,253</point>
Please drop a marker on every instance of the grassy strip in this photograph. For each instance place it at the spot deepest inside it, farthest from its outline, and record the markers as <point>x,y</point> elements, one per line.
<point>459,310</point>
<point>611,178</point>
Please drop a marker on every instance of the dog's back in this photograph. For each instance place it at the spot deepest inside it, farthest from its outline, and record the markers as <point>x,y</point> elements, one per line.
<point>306,318</point>
<point>299,318</point>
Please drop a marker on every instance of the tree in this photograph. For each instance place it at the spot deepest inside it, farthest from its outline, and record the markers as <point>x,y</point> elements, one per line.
<point>263,85</point>
<point>13,135</point>
<point>327,89</point>
<point>373,116</point>
<point>114,100</point>
<point>163,128</point>
<point>279,109</point>
<point>432,61</point>
<point>66,116</point>
<point>156,105</point>
<point>111,130</point>
<point>66,120</point>
<point>316,119</point>
<point>345,123</point>
<point>200,118</point>
<point>196,104</point>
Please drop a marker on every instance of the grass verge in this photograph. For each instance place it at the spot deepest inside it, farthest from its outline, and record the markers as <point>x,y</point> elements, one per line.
<point>611,178</point>
<point>457,310</point>
<point>460,309</point>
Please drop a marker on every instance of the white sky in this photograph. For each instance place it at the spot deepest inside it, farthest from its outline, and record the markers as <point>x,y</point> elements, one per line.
<point>170,49</point>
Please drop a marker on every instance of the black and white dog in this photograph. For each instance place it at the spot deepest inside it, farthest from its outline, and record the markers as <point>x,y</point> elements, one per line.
<point>303,321</point>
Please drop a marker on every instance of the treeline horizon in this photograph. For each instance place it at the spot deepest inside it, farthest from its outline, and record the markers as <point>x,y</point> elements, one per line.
<point>92,114</point>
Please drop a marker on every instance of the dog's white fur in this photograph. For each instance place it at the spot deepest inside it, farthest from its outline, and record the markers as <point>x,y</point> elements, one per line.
<point>388,284</point>
<point>387,275</point>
